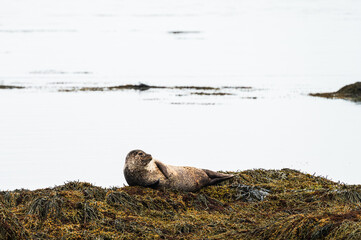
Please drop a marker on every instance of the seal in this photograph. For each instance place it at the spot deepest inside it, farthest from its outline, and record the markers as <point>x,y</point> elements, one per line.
<point>141,169</point>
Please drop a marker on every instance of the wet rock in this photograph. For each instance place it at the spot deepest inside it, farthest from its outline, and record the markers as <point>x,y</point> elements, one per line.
<point>250,194</point>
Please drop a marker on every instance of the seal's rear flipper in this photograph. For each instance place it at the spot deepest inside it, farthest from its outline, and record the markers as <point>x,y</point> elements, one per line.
<point>217,177</point>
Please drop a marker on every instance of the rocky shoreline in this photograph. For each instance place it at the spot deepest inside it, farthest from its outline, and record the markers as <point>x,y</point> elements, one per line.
<point>256,204</point>
<point>349,92</point>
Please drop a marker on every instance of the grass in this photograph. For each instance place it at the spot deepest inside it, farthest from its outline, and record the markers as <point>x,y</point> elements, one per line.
<point>255,204</point>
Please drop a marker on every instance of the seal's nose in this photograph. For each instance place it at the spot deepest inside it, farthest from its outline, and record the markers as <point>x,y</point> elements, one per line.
<point>147,158</point>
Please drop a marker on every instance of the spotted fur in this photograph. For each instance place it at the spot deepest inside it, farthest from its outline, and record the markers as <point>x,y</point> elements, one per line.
<point>141,169</point>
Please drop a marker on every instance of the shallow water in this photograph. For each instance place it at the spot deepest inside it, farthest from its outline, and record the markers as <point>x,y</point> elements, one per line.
<point>283,49</point>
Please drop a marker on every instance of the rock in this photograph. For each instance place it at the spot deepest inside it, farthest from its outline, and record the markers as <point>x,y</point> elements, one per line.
<point>250,194</point>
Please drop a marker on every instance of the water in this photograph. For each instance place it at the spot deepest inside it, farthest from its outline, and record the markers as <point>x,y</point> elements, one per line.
<point>283,49</point>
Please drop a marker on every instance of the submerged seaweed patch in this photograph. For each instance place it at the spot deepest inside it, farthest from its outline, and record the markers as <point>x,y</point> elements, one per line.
<point>211,93</point>
<point>255,204</point>
<point>184,32</point>
<point>139,87</point>
<point>178,91</point>
<point>11,87</point>
<point>144,87</point>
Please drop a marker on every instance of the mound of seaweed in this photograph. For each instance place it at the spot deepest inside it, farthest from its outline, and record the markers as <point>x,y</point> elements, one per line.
<point>255,204</point>
<point>10,227</point>
<point>349,92</point>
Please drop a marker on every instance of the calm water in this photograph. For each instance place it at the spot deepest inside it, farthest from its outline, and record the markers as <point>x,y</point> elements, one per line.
<point>284,49</point>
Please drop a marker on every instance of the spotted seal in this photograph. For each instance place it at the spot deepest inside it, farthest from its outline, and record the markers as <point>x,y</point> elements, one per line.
<point>141,169</point>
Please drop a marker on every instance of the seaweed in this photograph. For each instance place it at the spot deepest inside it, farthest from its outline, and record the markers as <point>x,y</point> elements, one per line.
<point>184,32</point>
<point>11,87</point>
<point>349,92</point>
<point>211,93</point>
<point>139,87</point>
<point>255,204</point>
<point>10,226</point>
<point>145,87</point>
<point>44,206</point>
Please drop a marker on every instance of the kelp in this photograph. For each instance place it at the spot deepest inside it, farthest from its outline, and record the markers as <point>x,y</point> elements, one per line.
<point>255,204</point>
<point>10,227</point>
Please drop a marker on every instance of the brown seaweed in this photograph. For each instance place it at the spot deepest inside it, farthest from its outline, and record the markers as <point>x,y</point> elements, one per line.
<point>349,92</point>
<point>145,87</point>
<point>255,204</point>
<point>11,87</point>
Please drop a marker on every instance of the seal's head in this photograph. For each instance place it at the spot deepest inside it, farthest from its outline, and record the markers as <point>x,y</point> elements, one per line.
<point>138,158</point>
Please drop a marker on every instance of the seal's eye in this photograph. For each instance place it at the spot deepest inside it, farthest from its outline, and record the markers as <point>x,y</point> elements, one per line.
<point>140,154</point>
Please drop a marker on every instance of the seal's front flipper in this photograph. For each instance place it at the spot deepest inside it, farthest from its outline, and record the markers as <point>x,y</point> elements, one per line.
<point>217,177</point>
<point>153,185</point>
<point>163,168</point>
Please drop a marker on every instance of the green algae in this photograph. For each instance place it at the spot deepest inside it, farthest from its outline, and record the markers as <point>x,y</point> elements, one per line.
<point>296,206</point>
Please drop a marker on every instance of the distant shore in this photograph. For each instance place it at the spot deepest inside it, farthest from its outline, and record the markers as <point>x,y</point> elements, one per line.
<point>350,92</point>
